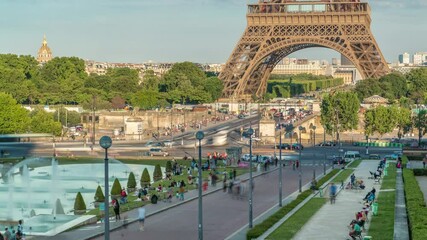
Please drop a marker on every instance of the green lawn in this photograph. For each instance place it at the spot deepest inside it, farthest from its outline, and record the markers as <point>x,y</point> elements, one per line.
<point>289,228</point>
<point>354,164</point>
<point>382,226</point>
<point>342,177</point>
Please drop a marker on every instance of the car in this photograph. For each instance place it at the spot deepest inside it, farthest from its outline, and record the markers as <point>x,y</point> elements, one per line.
<point>327,144</point>
<point>393,156</point>
<point>297,146</point>
<point>374,156</point>
<point>284,146</point>
<point>263,159</point>
<point>241,116</point>
<point>158,152</point>
<point>154,144</point>
<point>245,157</point>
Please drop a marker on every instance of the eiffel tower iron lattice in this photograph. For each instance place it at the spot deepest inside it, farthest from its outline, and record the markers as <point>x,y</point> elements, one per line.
<point>277,28</point>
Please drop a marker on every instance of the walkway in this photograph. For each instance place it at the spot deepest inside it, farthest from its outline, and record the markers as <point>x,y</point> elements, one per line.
<point>331,221</point>
<point>223,215</point>
<point>401,230</point>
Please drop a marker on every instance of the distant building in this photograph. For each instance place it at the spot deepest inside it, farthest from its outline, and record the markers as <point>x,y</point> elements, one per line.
<point>292,66</point>
<point>45,54</point>
<point>420,58</point>
<point>404,58</point>
<point>347,75</point>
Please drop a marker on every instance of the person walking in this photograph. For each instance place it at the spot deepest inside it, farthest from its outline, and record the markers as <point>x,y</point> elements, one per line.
<point>141,218</point>
<point>181,193</point>
<point>235,173</point>
<point>332,192</point>
<point>116,208</point>
<point>425,161</point>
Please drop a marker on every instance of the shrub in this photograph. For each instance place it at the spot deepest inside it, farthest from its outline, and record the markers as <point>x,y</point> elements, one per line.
<point>131,181</point>
<point>79,203</point>
<point>145,178</point>
<point>157,175</point>
<point>420,172</point>
<point>168,166</point>
<point>415,206</point>
<point>99,195</point>
<point>117,188</point>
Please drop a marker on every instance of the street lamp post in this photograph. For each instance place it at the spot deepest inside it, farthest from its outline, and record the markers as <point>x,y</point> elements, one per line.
<point>280,163</point>
<point>300,128</point>
<point>106,143</point>
<point>250,132</point>
<point>314,135</point>
<point>199,136</point>
<point>367,145</point>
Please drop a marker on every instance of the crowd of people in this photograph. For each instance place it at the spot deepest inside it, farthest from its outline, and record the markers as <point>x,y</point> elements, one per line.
<point>10,233</point>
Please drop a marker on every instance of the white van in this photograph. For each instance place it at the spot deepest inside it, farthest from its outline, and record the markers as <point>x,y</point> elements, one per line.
<point>351,155</point>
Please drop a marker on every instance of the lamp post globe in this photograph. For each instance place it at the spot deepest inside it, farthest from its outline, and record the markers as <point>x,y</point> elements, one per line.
<point>200,135</point>
<point>105,142</point>
<point>250,132</point>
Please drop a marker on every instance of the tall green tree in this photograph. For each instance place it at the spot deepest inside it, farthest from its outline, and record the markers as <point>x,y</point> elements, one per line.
<point>420,123</point>
<point>43,122</point>
<point>13,117</point>
<point>380,120</point>
<point>339,112</point>
<point>417,79</point>
<point>394,85</point>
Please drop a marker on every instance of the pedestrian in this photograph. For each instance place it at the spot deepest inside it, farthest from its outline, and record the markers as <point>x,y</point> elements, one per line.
<point>141,218</point>
<point>235,173</point>
<point>181,193</point>
<point>425,161</point>
<point>116,208</point>
<point>20,228</point>
<point>1,236</point>
<point>276,160</point>
<point>293,165</point>
<point>332,192</point>
<point>7,234</point>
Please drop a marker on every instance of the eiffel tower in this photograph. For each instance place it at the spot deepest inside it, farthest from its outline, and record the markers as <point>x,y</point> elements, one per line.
<point>277,28</point>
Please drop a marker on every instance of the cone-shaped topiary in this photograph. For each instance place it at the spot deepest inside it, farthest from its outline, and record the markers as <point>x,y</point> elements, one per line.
<point>145,178</point>
<point>157,175</point>
<point>117,188</point>
<point>99,195</point>
<point>79,204</point>
<point>168,166</point>
<point>131,182</point>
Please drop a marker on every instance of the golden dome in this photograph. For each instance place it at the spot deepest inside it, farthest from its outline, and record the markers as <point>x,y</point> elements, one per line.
<point>45,54</point>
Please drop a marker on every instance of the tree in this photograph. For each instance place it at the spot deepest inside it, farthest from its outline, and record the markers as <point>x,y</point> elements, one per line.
<point>99,195</point>
<point>145,178</point>
<point>368,87</point>
<point>124,81</point>
<point>214,87</point>
<point>79,204</point>
<point>417,79</point>
<point>420,123</point>
<point>339,112</point>
<point>43,122</point>
<point>396,85</point>
<point>146,99</point>
<point>118,102</point>
<point>68,118</point>
<point>131,181</point>
<point>380,120</point>
<point>157,174</point>
<point>117,188</point>
<point>13,117</point>
<point>403,120</point>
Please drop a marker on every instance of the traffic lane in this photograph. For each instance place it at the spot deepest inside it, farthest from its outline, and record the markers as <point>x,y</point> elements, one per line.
<point>222,214</point>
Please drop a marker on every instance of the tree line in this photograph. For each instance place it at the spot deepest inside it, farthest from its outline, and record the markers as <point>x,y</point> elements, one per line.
<point>63,80</point>
<point>340,111</point>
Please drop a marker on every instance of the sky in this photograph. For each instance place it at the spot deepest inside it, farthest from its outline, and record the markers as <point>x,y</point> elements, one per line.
<point>204,31</point>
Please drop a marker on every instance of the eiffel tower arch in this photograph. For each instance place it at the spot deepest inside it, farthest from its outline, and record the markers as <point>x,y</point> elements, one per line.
<point>277,28</point>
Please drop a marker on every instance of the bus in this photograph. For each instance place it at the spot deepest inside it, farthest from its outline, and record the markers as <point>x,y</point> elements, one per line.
<point>351,155</point>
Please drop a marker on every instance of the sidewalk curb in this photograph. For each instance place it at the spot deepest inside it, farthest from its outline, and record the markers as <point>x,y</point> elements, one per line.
<point>169,207</point>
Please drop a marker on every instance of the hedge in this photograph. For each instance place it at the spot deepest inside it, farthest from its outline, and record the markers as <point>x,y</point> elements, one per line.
<point>420,172</point>
<point>157,174</point>
<point>79,203</point>
<point>259,229</point>
<point>117,188</point>
<point>131,181</point>
<point>415,206</point>
<point>169,166</point>
<point>145,178</point>
<point>285,88</point>
<point>99,195</point>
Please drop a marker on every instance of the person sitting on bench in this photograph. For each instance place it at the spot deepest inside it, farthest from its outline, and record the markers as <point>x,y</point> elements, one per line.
<point>355,230</point>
